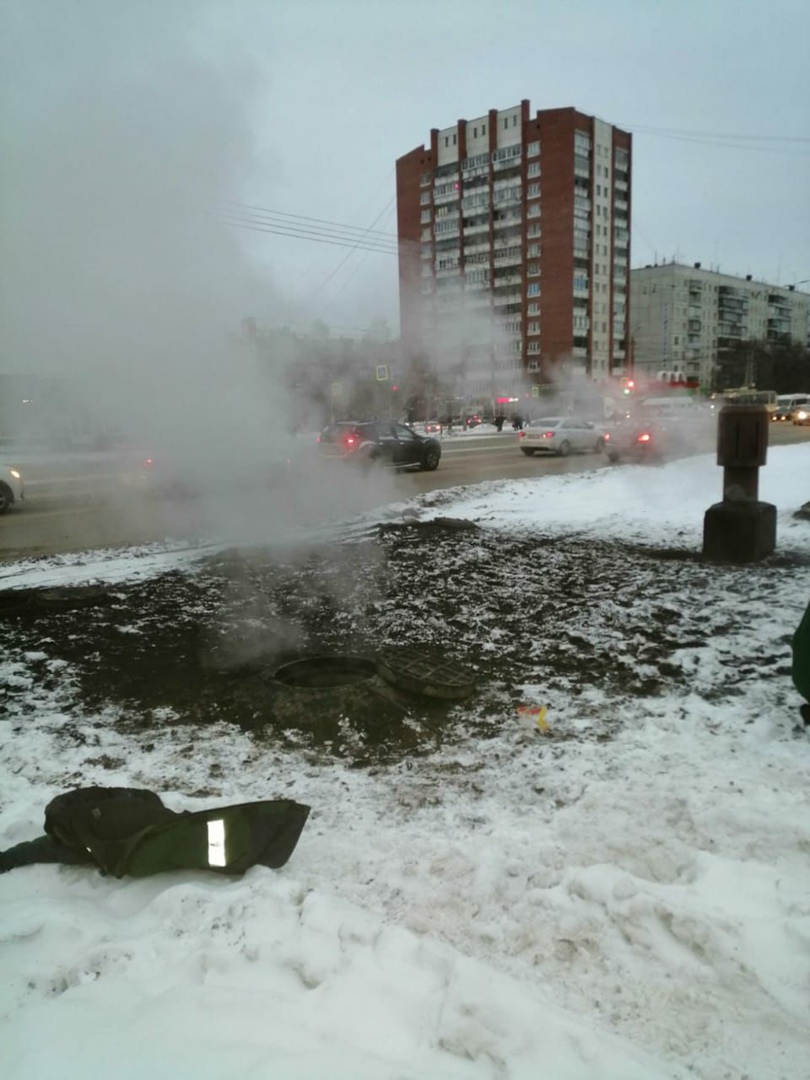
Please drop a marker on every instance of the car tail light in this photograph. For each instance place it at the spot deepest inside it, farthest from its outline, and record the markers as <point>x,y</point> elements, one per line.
<point>606,436</point>
<point>148,462</point>
<point>548,434</point>
<point>319,438</point>
<point>644,437</point>
<point>521,434</point>
<point>350,441</point>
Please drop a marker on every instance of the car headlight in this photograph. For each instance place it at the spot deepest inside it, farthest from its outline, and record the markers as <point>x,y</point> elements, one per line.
<point>15,474</point>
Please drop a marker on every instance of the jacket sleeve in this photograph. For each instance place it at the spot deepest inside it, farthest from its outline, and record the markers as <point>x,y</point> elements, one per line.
<point>801,656</point>
<point>43,850</point>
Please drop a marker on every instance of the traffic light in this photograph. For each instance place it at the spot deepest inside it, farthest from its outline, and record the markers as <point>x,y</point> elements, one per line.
<point>628,385</point>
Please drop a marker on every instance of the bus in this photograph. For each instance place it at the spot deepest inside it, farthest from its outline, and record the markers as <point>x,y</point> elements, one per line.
<point>745,395</point>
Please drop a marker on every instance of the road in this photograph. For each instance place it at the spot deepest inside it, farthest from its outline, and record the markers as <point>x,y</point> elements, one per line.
<point>86,502</point>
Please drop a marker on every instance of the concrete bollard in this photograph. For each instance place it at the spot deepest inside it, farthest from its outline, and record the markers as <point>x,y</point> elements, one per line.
<point>740,529</point>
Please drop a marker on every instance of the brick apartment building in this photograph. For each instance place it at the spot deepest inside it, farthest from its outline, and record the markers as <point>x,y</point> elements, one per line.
<point>514,247</point>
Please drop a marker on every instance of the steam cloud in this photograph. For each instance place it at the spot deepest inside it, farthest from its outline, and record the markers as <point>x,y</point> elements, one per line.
<point>130,129</point>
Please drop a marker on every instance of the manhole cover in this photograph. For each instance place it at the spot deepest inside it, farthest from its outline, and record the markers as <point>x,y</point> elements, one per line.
<point>322,671</point>
<point>419,671</point>
<point>71,597</point>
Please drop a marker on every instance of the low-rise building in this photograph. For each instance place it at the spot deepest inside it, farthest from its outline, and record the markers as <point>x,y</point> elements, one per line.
<point>685,317</point>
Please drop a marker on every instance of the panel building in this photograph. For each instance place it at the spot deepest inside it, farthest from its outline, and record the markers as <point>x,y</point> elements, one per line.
<point>514,247</point>
<point>685,318</point>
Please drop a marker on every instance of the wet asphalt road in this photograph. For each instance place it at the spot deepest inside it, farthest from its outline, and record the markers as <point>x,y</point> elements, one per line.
<point>91,501</point>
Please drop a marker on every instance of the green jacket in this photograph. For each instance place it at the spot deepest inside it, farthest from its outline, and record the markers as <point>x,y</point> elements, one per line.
<point>801,656</point>
<point>130,831</point>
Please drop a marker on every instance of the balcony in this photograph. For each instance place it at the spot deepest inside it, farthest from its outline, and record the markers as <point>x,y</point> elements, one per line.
<point>507,279</point>
<point>512,222</point>
<point>501,167</point>
<point>476,230</point>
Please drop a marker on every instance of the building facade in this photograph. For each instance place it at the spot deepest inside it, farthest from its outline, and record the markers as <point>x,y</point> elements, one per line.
<point>684,317</point>
<point>514,247</point>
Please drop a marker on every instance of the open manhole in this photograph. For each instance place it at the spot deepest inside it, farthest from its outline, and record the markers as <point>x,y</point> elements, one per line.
<point>420,671</point>
<point>320,672</point>
<point>71,597</point>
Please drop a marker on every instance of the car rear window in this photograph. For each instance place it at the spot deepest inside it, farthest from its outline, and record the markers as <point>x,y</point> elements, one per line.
<point>551,422</point>
<point>335,432</point>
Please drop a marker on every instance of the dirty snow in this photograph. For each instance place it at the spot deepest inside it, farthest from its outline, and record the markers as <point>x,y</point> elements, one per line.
<point>634,905</point>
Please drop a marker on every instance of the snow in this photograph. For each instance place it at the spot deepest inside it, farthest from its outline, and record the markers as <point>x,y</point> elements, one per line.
<point>568,907</point>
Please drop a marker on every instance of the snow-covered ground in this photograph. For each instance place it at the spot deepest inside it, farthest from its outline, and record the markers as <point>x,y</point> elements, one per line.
<point>595,902</point>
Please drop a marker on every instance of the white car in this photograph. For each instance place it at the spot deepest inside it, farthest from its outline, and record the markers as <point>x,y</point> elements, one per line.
<point>801,414</point>
<point>562,435</point>
<point>11,487</point>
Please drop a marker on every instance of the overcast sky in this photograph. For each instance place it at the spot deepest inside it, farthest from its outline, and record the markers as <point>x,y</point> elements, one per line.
<point>128,125</point>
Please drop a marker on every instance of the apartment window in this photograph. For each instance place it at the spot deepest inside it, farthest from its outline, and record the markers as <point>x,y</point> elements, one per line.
<point>533,230</point>
<point>533,168</point>
<point>534,210</point>
<point>426,234</point>
<point>506,122</point>
<point>533,250</point>
<point>533,149</point>
<point>424,198</point>
<point>534,328</point>
<point>425,216</point>
<point>454,140</point>
<point>533,289</point>
<point>533,347</point>
<point>534,191</point>
<point>533,269</point>
<point>447,140</point>
<point>533,308</point>
<point>475,133</point>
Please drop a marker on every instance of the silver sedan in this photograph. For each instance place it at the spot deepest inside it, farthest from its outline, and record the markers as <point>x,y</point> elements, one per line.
<point>562,435</point>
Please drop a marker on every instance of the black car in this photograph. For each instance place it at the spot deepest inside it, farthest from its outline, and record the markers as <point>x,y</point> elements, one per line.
<point>379,442</point>
<point>650,440</point>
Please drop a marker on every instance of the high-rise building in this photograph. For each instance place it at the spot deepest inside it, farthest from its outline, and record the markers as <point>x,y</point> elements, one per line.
<point>685,318</point>
<point>514,247</point>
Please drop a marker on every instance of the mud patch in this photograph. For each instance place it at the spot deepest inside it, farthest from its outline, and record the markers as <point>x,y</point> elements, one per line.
<point>567,616</point>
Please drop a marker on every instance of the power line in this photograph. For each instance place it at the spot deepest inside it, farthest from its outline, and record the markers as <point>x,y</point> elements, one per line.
<point>724,141</point>
<point>263,211</point>
<point>715,134</point>
<point>345,259</point>
<point>318,237</point>
<point>348,277</point>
